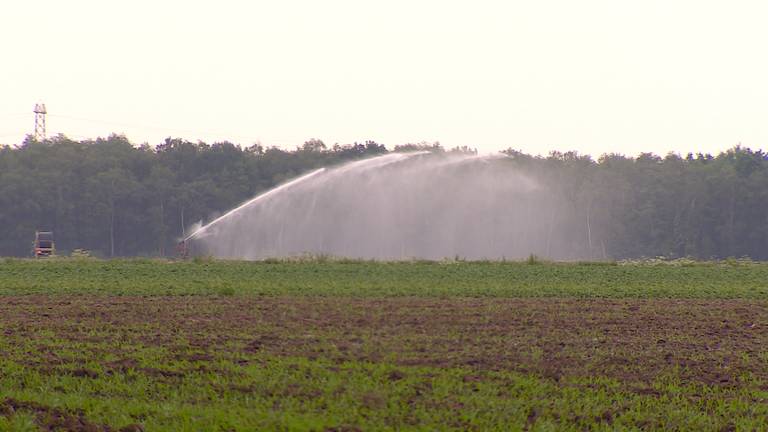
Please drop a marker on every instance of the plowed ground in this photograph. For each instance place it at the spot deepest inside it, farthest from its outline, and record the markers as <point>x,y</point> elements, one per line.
<point>335,363</point>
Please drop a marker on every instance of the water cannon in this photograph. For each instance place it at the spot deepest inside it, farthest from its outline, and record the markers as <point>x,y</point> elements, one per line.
<point>182,249</point>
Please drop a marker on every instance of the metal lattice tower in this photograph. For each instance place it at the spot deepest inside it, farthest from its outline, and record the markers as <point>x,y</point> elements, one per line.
<point>40,122</point>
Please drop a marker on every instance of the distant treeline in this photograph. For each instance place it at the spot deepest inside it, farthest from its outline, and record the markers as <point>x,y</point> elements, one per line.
<point>116,199</point>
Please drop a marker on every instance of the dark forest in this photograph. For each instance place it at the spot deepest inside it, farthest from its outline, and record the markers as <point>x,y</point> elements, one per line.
<point>113,198</point>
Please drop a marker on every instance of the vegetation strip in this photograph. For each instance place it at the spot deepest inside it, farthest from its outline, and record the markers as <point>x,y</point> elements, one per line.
<point>322,276</point>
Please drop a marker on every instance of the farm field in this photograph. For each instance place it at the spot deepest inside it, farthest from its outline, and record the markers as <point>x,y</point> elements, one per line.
<point>88,345</point>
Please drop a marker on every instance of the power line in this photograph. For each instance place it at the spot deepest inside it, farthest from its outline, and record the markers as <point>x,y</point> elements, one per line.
<point>6,134</point>
<point>158,128</point>
<point>40,132</point>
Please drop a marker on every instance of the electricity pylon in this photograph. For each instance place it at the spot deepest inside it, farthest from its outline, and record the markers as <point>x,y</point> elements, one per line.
<point>40,122</point>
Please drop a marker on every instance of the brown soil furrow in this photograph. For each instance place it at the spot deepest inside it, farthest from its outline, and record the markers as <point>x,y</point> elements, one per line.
<point>707,341</point>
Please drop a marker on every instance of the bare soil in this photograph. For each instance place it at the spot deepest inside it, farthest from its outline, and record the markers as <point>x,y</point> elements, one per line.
<point>713,342</point>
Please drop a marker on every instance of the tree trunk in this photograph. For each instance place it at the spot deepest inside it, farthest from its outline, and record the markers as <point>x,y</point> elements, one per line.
<point>589,230</point>
<point>112,228</point>
<point>162,228</point>
<point>732,222</point>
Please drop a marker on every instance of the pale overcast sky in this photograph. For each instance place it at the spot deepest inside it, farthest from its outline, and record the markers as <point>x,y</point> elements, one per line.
<point>593,75</point>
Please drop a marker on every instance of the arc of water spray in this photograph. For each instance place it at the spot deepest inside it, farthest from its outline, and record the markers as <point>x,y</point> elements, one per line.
<point>253,201</point>
<point>395,157</point>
